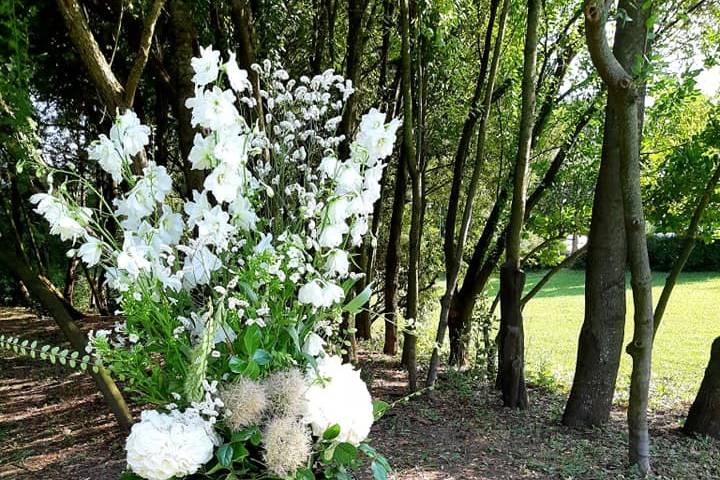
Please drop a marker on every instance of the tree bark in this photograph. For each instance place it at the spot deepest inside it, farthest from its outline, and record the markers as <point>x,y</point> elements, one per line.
<point>623,94</point>
<point>392,258</point>
<point>704,415</point>
<point>482,263</point>
<point>454,245</point>
<point>602,333</point>
<point>416,177</point>
<point>512,278</point>
<point>184,40</point>
<point>54,304</point>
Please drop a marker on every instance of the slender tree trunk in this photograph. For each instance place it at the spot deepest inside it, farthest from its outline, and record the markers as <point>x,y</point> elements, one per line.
<point>483,260</point>
<point>512,278</point>
<point>454,245</point>
<point>184,39</point>
<point>687,248</point>
<point>704,415</point>
<point>392,258</point>
<point>416,177</point>
<point>54,304</point>
<point>566,263</point>
<point>623,94</point>
<point>603,329</point>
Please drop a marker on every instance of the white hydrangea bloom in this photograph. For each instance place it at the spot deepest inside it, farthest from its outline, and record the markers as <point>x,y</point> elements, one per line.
<point>162,446</point>
<point>337,395</point>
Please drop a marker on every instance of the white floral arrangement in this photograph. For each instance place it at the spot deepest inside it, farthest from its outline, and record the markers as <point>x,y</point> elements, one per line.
<point>233,295</point>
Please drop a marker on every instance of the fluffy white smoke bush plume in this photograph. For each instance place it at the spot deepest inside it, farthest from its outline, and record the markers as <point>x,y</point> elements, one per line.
<point>241,283</point>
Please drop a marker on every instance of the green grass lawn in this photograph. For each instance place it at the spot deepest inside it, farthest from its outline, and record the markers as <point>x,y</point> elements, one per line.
<point>691,322</point>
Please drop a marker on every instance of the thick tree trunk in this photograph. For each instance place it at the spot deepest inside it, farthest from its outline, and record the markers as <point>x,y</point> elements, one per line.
<point>54,304</point>
<point>704,415</point>
<point>602,333</point>
<point>624,95</point>
<point>512,278</point>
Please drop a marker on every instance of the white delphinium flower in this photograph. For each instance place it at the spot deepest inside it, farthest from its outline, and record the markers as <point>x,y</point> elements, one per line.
<point>136,205</point>
<point>337,263</point>
<point>358,230</point>
<point>157,181</point>
<point>195,209</point>
<point>348,178</point>
<point>337,395</point>
<point>201,153</point>
<point>237,77</point>
<point>104,151</point>
<point>199,265</point>
<point>91,251</point>
<point>214,228</point>
<point>206,67</point>
<point>376,138</point>
<point>69,223</point>
<point>311,294</point>
<point>162,446</point>
<point>225,182</point>
<point>339,210</point>
<point>314,345</point>
<point>129,134</point>
<point>331,235</point>
<point>318,295</point>
<point>132,259</point>
<point>232,148</point>
<point>243,214</point>
<point>287,446</point>
<point>170,226</point>
<point>213,109</point>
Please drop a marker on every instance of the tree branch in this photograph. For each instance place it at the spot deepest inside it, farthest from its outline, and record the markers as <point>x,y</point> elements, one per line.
<point>110,89</point>
<point>608,66</point>
<point>143,51</point>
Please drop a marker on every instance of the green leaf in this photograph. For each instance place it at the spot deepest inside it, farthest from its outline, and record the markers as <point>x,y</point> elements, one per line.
<point>332,432</point>
<point>240,453</point>
<point>236,365</point>
<point>251,339</point>
<point>243,435</point>
<point>379,408</point>
<point>261,357</point>
<point>304,474</point>
<point>345,453</point>
<point>378,470</point>
<point>225,455</point>
<point>354,305</point>
<point>251,370</point>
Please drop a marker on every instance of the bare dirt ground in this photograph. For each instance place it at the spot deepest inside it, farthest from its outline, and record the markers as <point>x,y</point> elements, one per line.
<point>54,426</point>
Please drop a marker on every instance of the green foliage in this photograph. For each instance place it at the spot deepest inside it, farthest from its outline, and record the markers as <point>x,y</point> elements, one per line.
<point>49,353</point>
<point>664,252</point>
